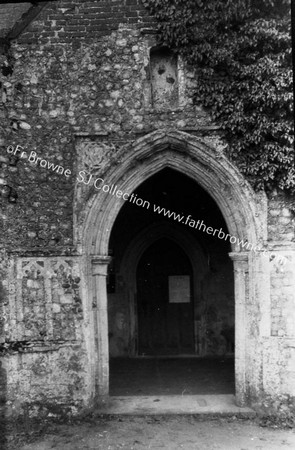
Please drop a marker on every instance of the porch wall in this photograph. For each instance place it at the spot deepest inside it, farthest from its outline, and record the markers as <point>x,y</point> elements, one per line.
<point>79,100</point>
<point>52,373</point>
<point>45,357</point>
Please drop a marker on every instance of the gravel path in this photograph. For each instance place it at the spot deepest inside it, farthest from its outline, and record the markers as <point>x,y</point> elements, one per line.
<point>159,432</point>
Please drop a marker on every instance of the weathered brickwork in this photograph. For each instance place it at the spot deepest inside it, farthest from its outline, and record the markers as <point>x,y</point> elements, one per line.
<point>85,21</point>
<point>76,90</point>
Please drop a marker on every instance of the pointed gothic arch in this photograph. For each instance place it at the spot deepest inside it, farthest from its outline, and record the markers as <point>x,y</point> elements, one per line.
<point>243,211</point>
<point>194,157</point>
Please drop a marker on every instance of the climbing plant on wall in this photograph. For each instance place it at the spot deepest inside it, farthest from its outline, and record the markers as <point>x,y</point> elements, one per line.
<point>241,50</point>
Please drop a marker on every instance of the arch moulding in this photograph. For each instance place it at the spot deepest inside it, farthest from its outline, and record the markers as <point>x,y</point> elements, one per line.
<point>243,210</point>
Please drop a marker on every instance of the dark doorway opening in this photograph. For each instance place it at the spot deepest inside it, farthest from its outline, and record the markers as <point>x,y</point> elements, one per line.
<point>149,335</point>
<point>171,376</point>
<point>165,301</point>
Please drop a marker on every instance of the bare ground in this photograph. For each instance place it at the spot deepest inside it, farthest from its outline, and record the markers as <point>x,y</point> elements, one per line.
<point>153,432</point>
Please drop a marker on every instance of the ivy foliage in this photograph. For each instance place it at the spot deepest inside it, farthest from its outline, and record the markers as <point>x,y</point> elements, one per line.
<point>241,50</point>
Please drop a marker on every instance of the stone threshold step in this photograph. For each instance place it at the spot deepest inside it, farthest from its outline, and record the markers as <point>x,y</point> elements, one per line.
<point>174,404</point>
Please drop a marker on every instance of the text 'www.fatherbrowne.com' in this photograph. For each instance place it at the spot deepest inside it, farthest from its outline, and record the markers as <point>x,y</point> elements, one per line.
<point>111,189</point>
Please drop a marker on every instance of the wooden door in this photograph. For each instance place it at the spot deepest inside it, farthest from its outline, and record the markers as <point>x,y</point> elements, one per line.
<point>164,328</point>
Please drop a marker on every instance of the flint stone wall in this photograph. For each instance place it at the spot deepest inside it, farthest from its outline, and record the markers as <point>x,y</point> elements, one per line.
<point>78,78</point>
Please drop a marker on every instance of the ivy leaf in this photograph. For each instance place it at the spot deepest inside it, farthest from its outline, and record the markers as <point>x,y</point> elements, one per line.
<point>241,52</point>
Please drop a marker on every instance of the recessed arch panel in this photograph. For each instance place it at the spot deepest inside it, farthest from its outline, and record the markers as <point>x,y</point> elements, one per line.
<point>145,239</point>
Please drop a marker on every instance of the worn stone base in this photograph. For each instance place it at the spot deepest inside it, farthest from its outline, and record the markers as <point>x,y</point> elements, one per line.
<point>175,404</point>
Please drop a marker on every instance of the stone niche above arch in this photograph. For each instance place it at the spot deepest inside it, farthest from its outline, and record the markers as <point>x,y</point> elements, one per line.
<point>163,78</point>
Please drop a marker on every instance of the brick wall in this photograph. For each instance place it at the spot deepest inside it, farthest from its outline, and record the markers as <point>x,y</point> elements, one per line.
<point>78,20</point>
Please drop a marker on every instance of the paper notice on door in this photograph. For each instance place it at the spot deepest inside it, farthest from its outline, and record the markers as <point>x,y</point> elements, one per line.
<point>179,289</point>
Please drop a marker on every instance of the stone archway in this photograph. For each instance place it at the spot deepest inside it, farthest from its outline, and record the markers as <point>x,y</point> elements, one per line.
<point>243,211</point>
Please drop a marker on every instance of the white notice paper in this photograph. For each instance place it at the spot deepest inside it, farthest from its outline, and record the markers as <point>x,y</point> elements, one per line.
<point>179,289</point>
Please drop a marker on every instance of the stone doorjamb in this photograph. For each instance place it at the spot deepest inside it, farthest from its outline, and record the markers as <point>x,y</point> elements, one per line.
<point>241,285</point>
<point>100,304</point>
